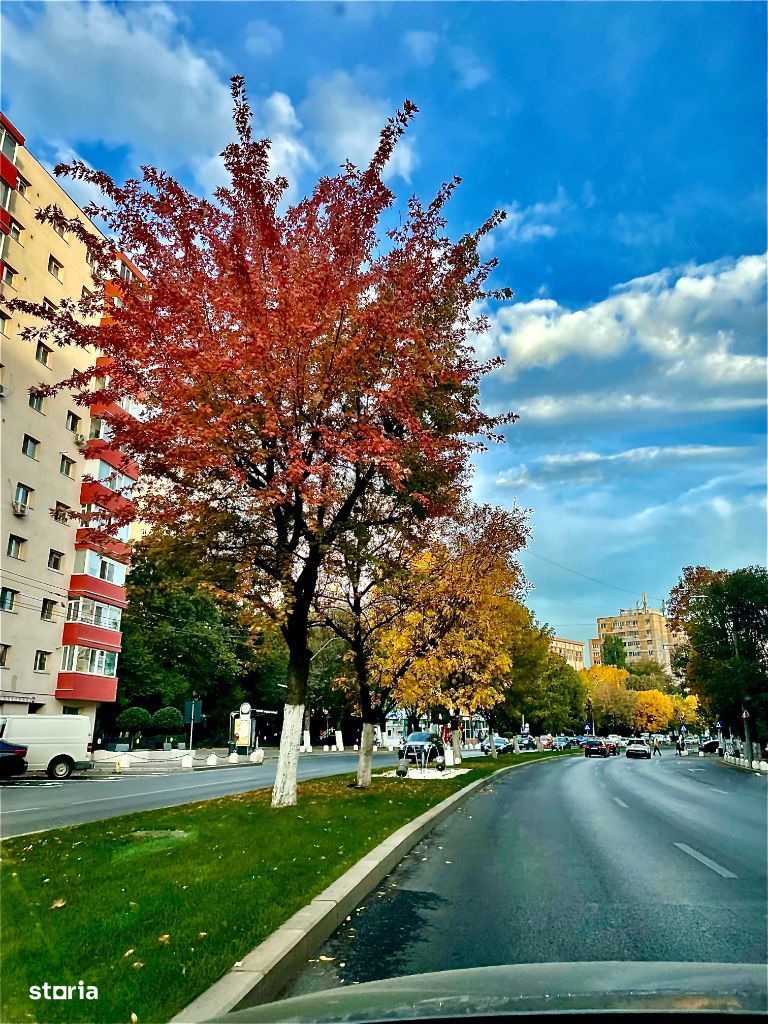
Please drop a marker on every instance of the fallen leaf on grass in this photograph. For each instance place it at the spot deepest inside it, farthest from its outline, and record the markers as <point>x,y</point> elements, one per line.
<point>164,939</point>
<point>57,904</point>
<point>136,965</point>
<point>326,959</point>
<point>134,1019</point>
<point>127,953</point>
<point>201,935</point>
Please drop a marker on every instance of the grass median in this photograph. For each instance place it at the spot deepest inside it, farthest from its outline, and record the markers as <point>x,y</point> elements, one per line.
<point>152,908</point>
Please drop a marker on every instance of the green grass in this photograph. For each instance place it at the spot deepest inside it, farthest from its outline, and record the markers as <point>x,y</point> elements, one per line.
<point>152,920</point>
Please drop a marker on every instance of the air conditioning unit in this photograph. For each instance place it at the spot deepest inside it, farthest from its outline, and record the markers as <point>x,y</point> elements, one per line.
<point>80,440</point>
<point>19,508</point>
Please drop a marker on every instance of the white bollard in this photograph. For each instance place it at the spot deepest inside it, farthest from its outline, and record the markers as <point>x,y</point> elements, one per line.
<point>333,746</point>
<point>354,746</point>
<point>187,761</point>
<point>234,758</point>
<point>257,756</point>
<point>309,750</point>
<point>755,764</point>
<point>764,766</point>
<point>125,761</point>
<point>212,760</point>
<point>326,748</point>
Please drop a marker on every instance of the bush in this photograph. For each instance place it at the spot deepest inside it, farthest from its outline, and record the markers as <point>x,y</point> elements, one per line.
<point>133,720</point>
<point>167,721</point>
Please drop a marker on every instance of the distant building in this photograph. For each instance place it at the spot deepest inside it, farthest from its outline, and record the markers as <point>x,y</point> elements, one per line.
<point>571,651</point>
<point>645,632</point>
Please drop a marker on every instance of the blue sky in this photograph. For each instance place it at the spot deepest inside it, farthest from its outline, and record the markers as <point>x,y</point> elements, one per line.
<point>627,144</point>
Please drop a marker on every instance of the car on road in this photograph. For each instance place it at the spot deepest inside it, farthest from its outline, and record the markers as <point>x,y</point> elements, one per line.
<point>502,744</point>
<point>638,748</point>
<point>419,746</point>
<point>13,759</point>
<point>56,744</point>
<point>595,746</point>
<point>613,746</point>
<point>710,746</point>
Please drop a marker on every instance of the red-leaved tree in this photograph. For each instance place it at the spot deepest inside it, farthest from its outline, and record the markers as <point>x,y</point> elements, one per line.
<point>289,360</point>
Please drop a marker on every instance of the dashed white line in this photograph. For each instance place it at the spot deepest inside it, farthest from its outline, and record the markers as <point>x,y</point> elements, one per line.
<point>621,803</point>
<point>723,791</point>
<point>705,860</point>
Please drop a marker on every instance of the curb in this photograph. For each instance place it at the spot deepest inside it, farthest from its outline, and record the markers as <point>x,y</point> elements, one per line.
<point>263,972</point>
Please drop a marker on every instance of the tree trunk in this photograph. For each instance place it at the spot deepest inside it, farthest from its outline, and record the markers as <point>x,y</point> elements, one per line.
<point>295,633</point>
<point>456,738</point>
<point>306,739</point>
<point>365,759</point>
<point>494,753</point>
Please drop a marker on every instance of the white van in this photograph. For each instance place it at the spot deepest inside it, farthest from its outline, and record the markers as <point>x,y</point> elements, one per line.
<point>56,744</point>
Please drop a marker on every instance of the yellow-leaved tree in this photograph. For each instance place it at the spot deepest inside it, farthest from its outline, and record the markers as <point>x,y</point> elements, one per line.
<point>653,710</point>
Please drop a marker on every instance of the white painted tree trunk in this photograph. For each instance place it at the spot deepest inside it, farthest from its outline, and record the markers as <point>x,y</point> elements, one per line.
<point>307,741</point>
<point>365,759</point>
<point>494,752</point>
<point>456,745</point>
<point>284,789</point>
<point>339,739</point>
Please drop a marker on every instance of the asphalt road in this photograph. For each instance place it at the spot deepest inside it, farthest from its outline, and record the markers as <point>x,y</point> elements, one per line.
<point>32,805</point>
<point>571,860</point>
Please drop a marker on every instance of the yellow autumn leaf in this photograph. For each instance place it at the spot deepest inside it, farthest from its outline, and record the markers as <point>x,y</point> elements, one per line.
<point>57,904</point>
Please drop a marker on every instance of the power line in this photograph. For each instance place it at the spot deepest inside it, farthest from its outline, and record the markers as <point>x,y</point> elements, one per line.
<point>593,579</point>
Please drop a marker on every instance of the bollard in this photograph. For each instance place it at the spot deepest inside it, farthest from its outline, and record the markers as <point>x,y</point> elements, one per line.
<point>125,761</point>
<point>117,767</point>
<point>309,750</point>
<point>187,761</point>
<point>764,766</point>
<point>233,758</point>
<point>333,746</point>
<point>257,756</point>
<point>212,761</point>
<point>354,746</point>
<point>755,764</point>
<point>325,748</point>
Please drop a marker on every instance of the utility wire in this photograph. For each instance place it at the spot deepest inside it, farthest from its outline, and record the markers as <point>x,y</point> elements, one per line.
<point>593,579</point>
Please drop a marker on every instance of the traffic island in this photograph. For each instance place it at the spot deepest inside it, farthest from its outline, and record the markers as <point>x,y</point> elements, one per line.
<point>153,908</point>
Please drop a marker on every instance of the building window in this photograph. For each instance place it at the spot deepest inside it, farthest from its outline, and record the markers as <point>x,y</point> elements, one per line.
<point>43,354</point>
<point>59,231</point>
<point>9,275</point>
<point>94,613</point>
<point>49,305</point>
<point>7,599</point>
<point>5,194</point>
<point>67,466</point>
<point>55,267</point>
<point>100,429</point>
<point>73,422</point>
<point>8,144</point>
<point>30,446</point>
<point>55,560</point>
<point>41,661</point>
<point>17,547</point>
<point>90,259</point>
<point>60,512</point>
<point>47,609</point>
<point>5,321</point>
<point>113,479</point>
<point>92,564</point>
<point>36,402</point>
<point>89,660</point>
<point>5,655</point>
<point>126,273</point>
<point>22,186</point>
<point>86,294</point>
<point>70,711</point>
<point>23,497</point>
<point>16,231</point>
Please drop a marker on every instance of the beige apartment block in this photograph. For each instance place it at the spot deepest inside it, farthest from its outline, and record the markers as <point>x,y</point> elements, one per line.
<point>645,632</point>
<point>61,601</point>
<point>571,651</point>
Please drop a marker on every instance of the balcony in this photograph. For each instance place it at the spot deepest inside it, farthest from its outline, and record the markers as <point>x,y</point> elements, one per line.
<point>80,686</point>
<point>95,493</point>
<point>113,548</point>
<point>81,634</point>
<point>83,585</point>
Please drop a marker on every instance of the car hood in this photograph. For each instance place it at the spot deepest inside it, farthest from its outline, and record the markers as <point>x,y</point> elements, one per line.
<point>526,988</point>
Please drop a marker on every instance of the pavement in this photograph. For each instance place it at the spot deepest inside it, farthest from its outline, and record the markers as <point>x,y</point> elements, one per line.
<point>36,804</point>
<point>576,860</point>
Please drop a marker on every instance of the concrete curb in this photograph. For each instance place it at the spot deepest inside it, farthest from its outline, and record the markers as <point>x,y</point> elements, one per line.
<point>263,972</point>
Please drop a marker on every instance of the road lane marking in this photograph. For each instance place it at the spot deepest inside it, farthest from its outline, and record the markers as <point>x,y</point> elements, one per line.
<point>697,769</point>
<point>24,810</point>
<point>705,860</point>
<point>723,791</point>
<point>621,803</point>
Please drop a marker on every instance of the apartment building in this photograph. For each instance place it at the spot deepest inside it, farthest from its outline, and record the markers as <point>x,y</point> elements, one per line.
<point>644,630</point>
<point>571,651</point>
<point>61,598</point>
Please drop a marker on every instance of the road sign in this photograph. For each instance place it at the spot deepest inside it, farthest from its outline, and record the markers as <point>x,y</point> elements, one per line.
<point>193,711</point>
<point>683,727</point>
<point>745,713</point>
<point>719,724</point>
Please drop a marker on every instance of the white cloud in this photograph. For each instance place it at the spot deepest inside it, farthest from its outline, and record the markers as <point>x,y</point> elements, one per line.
<point>344,123</point>
<point>422,46</point>
<point>262,39</point>
<point>527,223</point>
<point>688,321</point>
<point>600,404</point>
<point>469,68</point>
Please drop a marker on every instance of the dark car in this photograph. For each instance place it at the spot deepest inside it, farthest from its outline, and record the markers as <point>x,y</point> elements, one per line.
<point>12,759</point>
<point>422,745</point>
<point>613,747</point>
<point>710,746</point>
<point>526,742</point>
<point>595,746</point>
<point>502,744</point>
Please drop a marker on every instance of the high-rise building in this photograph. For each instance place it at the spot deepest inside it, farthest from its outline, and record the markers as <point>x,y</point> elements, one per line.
<point>644,630</point>
<point>62,595</point>
<point>571,651</point>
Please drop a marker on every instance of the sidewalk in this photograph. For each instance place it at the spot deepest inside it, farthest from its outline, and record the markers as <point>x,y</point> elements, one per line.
<point>136,761</point>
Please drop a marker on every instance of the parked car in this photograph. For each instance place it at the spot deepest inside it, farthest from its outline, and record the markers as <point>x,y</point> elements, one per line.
<point>12,759</point>
<point>638,748</point>
<point>56,744</point>
<point>502,744</point>
<point>561,743</point>
<point>413,748</point>
<point>526,742</point>
<point>546,741</point>
<point>595,747</point>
